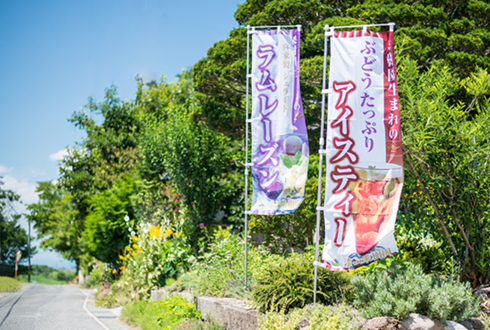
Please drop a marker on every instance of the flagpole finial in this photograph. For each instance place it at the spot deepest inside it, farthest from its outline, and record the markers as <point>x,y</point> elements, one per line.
<point>328,31</point>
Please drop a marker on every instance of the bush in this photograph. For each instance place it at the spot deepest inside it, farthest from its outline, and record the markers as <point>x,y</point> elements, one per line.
<point>156,256</point>
<point>221,271</point>
<point>288,283</point>
<point>165,314</point>
<point>400,293</point>
<point>100,274</point>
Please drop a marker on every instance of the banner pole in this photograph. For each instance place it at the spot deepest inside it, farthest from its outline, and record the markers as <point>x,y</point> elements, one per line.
<point>320,165</point>
<point>246,155</point>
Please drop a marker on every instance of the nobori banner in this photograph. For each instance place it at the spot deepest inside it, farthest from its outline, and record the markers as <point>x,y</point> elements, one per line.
<point>279,138</point>
<point>364,157</point>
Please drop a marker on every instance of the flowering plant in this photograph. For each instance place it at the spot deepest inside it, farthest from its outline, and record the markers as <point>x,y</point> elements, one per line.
<point>155,255</point>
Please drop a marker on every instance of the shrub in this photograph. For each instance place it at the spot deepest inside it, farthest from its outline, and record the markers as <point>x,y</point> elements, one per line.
<point>288,283</point>
<point>399,293</point>
<point>115,294</point>
<point>100,274</point>
<point>417,244</point>
<point>221,270</point>
<point>154,257</point>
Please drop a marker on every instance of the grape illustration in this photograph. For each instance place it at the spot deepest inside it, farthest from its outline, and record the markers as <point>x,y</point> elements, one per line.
<point>274,190</point>
<point>292,144</point>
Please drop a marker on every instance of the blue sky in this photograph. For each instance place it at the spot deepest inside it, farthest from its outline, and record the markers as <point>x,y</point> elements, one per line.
<point>56,54</point>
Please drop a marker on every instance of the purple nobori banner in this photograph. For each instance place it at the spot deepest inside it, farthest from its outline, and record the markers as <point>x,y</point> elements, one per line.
<point>279,137</point>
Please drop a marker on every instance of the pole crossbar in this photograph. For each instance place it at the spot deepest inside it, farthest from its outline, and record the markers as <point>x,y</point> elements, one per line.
<point>298,26</point>
<point>332,28</point>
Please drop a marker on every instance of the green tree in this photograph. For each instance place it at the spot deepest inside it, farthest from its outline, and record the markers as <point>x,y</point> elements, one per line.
<point>199,163</point>
<point>457,33</point>
<point>13,238</point>
<point>55,219</point>
<point>442,40</point>
<point>106,229</point>
<point>446,148</point>
<point>106,155</point>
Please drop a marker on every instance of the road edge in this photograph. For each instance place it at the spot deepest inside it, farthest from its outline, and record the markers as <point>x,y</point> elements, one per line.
<point>89,313</point>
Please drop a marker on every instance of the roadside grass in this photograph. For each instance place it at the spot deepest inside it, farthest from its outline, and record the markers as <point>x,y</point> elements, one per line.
<point>8,284</point>
<point>149,316</point>
<point>41,279</point>
<point>163,314</point>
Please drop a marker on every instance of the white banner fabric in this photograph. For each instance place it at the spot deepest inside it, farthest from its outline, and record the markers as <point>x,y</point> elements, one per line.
<point>364,157</point>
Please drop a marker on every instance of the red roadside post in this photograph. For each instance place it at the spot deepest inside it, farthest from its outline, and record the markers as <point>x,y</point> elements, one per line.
<point>18,254</point>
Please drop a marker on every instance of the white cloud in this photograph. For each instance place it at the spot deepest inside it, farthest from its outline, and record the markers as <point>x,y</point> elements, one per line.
<point>24,188</point>
<point>5,169</point>
<point>58,155</point>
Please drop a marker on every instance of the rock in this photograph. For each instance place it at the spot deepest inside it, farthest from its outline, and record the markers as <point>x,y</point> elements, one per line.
<point>231,313</point>
<point>451,325</point>
<point>381,323</point>
<point>158,294</point>
<point>419,322</point>
<point>467,325</point>
<point>302,325</point>
<point>477,323</point>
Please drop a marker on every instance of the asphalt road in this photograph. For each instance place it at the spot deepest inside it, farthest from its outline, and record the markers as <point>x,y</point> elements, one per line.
<point>54,307</point>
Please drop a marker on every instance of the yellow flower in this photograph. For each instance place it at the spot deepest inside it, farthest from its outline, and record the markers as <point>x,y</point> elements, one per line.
<point>114,271</point>
<point>154,231</point>
<point>123,268</point>
<point>134,238</point>
<point>168,232</point>
<point>121,257</point>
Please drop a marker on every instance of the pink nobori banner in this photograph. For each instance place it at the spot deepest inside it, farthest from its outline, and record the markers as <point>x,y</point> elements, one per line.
<point>279,138</point>
<point>364,157</point>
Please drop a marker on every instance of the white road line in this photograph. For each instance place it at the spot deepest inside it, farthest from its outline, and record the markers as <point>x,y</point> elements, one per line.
<point>92,315</point>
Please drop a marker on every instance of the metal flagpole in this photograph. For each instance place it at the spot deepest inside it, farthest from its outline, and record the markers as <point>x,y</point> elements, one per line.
<point>247,121</point>
<point>321,151</point>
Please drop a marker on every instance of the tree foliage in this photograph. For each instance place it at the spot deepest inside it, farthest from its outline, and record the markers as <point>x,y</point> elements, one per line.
<point>200,163</point>
<point>446,151</point>
<point>456,33</point>
<point>106,230</point>
<point>174,154</point>
<point>54,218</point>
<point>13,238</point>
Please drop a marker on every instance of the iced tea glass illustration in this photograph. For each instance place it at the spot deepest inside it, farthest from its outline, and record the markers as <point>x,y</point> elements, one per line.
<point>375,193</point>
